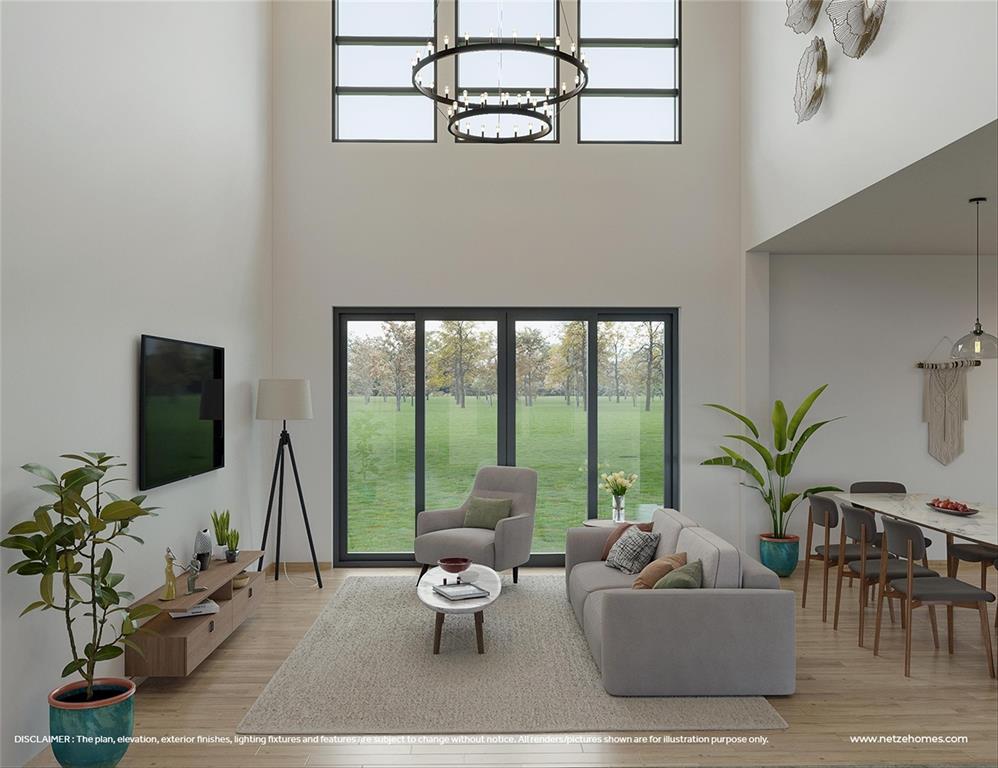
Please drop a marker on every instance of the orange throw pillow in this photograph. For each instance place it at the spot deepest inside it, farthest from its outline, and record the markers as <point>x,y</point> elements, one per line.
<point>617,532</point>
<point>656,569</point>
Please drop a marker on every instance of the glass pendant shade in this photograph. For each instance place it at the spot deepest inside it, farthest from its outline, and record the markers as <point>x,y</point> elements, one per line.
<point>976,345</point>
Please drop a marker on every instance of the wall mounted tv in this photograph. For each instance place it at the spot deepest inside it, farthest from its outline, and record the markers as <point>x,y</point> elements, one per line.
<point>181,410</point>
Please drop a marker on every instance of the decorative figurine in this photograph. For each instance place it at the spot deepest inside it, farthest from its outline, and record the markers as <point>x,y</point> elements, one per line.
<point>170,591</point>
<point>202,548</point>
<point>192,576</point>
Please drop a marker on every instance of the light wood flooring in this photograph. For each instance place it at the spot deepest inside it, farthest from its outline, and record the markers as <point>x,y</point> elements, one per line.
<point>842,691</point>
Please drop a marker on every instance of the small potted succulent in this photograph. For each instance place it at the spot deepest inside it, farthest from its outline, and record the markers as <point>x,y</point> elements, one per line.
<point>220,522</point>
<point>232,546</point>
<point>67,543</point>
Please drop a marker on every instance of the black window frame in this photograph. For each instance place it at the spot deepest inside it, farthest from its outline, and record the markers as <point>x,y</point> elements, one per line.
<point>635,42</point>
<point>506,319</point>
<point>546,41</point>
<point>338,90</point>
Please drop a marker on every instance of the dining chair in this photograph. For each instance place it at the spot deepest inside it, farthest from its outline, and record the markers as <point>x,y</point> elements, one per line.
<point>859,524</point>
<point>905,540</point>
<point>985,554</point>
<point>877,486</point>
<point>881,486</point>
<point>824,512</point>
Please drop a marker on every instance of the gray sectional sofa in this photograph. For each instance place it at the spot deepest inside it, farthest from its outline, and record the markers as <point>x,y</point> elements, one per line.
<point>734,637</point>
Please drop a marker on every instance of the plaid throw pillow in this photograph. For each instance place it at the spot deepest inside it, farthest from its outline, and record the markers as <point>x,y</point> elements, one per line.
<point>633,551</point>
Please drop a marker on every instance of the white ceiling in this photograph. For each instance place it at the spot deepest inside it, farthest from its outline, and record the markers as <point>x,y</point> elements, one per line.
<point>921,209</point>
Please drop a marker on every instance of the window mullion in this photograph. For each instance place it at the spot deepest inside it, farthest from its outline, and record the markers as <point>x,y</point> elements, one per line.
<point>420,395</point>
<point>592,412</point>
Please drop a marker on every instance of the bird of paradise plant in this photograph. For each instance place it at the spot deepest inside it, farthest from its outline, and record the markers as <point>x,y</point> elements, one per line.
<point>779,458</point>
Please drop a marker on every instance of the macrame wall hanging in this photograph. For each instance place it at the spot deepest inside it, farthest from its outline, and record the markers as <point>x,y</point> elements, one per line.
<point>944,404</point>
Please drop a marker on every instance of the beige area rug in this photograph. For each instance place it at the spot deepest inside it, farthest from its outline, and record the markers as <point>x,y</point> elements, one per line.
<point>367,667</point>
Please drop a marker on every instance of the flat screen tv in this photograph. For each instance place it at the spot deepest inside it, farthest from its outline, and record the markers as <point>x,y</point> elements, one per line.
<point>181,410</point>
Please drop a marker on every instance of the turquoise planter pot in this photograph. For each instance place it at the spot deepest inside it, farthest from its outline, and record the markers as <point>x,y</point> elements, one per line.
<point>92,734</point>
<point>780,555</point>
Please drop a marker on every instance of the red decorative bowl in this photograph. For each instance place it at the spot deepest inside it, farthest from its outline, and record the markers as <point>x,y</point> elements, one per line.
<point>454,564</point>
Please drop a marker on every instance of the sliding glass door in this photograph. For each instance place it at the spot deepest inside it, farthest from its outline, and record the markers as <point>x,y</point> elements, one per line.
<point>551,422</point>
<point>462,386</point>
<point>633,395</point>
<point>423,398</point>
<point>381,434</point>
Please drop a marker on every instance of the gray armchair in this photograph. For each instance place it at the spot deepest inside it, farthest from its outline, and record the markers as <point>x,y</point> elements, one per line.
<point>441,532</point>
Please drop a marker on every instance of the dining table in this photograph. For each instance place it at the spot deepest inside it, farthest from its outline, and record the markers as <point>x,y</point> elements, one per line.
<point>979,528</point>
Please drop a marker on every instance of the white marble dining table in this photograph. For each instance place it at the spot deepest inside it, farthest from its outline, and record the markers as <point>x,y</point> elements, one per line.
<point>981,528</point>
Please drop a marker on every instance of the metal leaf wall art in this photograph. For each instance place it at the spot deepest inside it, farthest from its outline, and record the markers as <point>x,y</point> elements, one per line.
<point>801,14</point>
<point>855,23</point>
<point>811,80</point>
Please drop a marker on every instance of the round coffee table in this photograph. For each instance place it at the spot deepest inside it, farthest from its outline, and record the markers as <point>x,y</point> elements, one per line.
<point>479,575</point>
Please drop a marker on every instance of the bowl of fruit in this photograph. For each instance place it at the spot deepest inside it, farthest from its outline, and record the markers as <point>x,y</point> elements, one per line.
<point>951,507</point>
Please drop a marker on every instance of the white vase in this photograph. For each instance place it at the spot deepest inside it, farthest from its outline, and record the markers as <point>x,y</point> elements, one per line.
<point>618,509</point>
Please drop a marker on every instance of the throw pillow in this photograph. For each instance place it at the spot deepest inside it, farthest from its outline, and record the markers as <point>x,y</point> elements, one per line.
<point>656,569</point>
<point>486,513</point>
<point>633,551</point>
<point>688,577</point>
<point>617,532</point>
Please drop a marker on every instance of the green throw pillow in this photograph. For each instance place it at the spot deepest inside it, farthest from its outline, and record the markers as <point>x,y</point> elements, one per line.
<point>485,513</point>
<point>688,577</point>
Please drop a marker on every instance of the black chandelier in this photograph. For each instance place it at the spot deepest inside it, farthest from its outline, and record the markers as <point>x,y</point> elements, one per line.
<point>536,109</point>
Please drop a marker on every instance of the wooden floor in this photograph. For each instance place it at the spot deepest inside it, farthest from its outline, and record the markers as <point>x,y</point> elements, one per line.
<point>842,692</point>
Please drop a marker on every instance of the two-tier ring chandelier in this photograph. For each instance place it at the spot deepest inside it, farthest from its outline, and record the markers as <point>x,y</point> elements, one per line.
<point>479,117</point>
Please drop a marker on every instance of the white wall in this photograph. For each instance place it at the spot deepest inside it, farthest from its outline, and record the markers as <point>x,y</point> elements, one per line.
<point>859,324</point>
<point>136,198</point>
<point>383,225</point>
<point>930,78</point>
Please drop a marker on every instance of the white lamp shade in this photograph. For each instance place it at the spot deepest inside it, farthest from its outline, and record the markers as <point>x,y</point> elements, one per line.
<point>284,399</point>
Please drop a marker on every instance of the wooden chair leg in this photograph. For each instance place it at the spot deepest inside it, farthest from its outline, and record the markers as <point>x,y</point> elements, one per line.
<point>824,582</point>
<point>890,607</point>
<point>949,627</point>
<point>838,595</point>
<point>862,612</point>
<point>907,637</point>
<point>935,626</point>
<point>880,613</point>
<point>807,560</point>
<point>986,633</point>
<point>984,576</point>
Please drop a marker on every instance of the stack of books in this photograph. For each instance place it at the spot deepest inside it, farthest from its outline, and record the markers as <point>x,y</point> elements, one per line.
<point>460,591</point>
<point>203,608</point>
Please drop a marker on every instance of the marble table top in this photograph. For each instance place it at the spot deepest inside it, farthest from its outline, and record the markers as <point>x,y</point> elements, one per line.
<point>913,507</point>
<point>479,575</point>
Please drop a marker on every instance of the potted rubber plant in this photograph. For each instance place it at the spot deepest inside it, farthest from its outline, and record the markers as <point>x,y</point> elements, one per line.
<point>68,545</point>
<point>778,550</point>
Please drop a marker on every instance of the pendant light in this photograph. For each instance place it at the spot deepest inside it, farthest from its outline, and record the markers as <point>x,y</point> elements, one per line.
<point>976,345</point>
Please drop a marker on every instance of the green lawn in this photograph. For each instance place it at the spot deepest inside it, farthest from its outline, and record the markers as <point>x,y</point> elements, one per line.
<point>551,438</point>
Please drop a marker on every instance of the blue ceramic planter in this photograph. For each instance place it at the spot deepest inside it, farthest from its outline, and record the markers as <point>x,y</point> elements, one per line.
<point>92,734</point>
<point>779,555</point>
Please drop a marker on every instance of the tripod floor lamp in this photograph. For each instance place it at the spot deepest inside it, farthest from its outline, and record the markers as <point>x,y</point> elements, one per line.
<point>285,400</point>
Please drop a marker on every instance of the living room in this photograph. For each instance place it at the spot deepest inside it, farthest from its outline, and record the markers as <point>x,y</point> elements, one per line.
<point>257,204</point>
